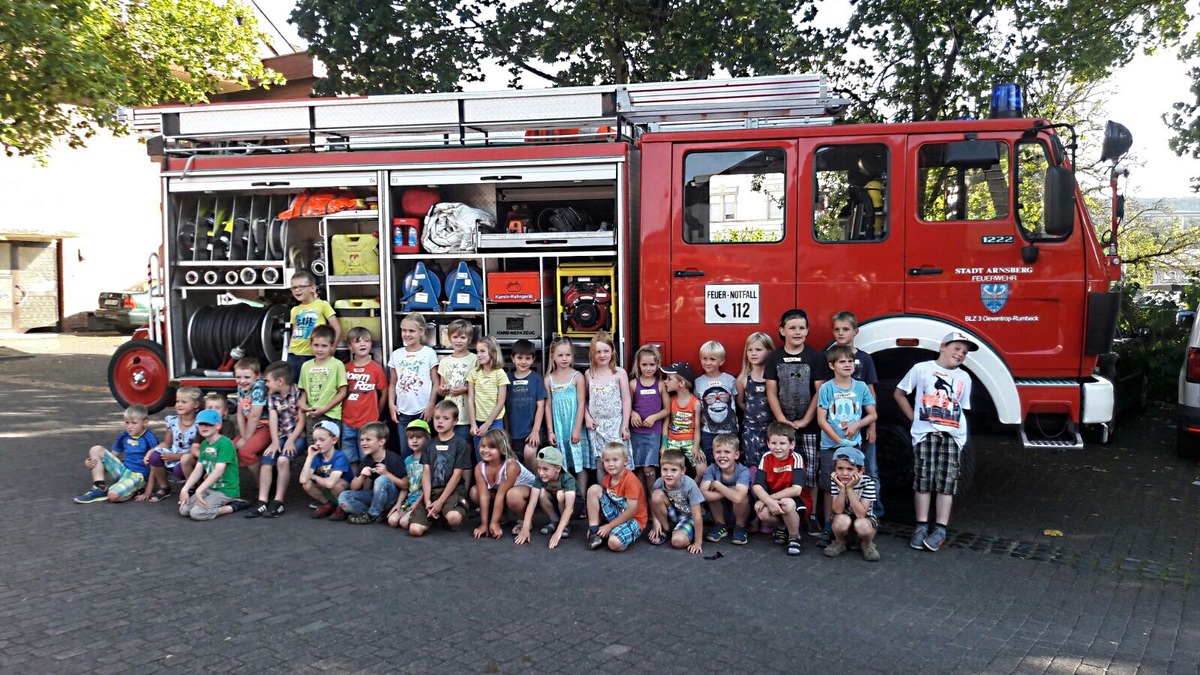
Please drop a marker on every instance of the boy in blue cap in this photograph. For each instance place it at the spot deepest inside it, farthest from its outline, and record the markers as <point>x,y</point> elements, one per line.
<point>852,493</point>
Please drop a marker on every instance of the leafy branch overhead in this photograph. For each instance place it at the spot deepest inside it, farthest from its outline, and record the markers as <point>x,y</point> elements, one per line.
<point>70,66</point>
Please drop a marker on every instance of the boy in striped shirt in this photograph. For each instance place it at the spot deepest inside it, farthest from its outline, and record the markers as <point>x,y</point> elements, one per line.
<point>852,493</point>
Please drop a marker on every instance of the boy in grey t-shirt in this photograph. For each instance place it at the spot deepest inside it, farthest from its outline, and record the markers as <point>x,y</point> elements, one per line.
<point>675,501</point>
<point>717,392</point>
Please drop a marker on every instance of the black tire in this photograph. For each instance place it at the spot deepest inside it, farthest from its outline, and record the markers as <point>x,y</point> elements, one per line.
<point>893,450</point>
<point>1187,446</point>
<point>966,469</point>
<point>137,374</point>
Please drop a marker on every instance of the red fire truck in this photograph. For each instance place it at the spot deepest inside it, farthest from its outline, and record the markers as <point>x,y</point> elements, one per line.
<point>665,213</point>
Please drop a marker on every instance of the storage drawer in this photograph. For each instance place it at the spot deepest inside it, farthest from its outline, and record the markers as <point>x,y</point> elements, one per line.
<point>513,287</point>
<point>515,323</point>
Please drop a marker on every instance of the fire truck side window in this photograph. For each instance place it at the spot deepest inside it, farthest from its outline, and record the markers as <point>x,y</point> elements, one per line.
<point>961,193</point>
<point>733,196</point>
<point>1032,166</point>
<point>851,192</point>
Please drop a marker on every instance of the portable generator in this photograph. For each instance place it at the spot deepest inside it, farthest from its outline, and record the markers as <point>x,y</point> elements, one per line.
<point>585,302</point>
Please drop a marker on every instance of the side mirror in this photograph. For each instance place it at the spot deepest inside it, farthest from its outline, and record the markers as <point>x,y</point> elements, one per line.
<point>1059,201</point>
<point>1185,318</point>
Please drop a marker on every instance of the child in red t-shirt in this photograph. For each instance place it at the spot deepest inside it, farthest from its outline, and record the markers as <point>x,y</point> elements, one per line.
<point>779,487</point>
<point>620,500</point>
<point>363,405</point>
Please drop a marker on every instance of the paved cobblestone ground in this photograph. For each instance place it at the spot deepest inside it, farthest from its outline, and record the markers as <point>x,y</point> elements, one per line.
<point>134,588</point>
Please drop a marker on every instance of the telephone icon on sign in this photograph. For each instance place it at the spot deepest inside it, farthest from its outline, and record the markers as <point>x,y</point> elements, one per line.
<point>717,309</point>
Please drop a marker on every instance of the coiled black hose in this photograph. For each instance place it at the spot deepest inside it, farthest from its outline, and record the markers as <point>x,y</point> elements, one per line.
<point>214,332</point>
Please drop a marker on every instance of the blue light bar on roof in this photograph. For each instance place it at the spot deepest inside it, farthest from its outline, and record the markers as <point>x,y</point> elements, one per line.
<point>1007,101</point>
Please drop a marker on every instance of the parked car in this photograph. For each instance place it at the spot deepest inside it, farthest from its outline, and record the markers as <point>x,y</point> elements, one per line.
<point>125,311</point>
<point>1187,441</point>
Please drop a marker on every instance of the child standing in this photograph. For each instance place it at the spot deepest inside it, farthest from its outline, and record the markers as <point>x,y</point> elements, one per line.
<point>726,488</point>
<point>125,462</point>
<point>377,486</point>
<point>845,410</point>
<point>365,381</point>
<point>253,435</point>
<point>554,490</point>
<point>650,406</point>
<point>683,424</point>
<point>853,492</point>
<point>286,424</point>
<point>487,389</point>
<point>323,381</point>
<point>446,461</point>
<point>779,487</point>
<point>417,439</point>
<point>177,444</point>
<point>526,405</point>
<point>845,329</point>
<point>565,399</point>
<point>326,473</point>
<point>794,372</point>
<point>675,505</point>
<point>215,476</point>
<point>619,500</point>
<point>452,374</point>
<point>500,481</point>
<point>939,431</point>
<point>607,416</point>
<point>305,317</point>
<point>717,391</point>
<point>413,370</point>
<point>752,398</point>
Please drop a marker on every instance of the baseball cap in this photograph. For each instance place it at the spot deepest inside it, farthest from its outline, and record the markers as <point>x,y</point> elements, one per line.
<point>331,427</point>
<point>681,369</point>
<point>959,336</point>
<point>550,455</point>
<point>852,455</point>
<point>419,425</point>
<point>208,417</point>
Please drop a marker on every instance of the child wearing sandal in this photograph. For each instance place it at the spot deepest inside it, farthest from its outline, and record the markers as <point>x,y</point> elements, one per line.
<point>554,489</point>
<point>779,487</point>
<point>174,446</point>
<point>417,437</point>
<point>619,500</point>
<point>675,505</point>
<point>500,481</point>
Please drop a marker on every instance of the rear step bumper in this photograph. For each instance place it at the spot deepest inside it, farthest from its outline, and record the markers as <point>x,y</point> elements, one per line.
<point>1051,443</point>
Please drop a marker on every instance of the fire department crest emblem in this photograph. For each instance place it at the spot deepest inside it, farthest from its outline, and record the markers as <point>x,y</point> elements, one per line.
<point>994,296</point>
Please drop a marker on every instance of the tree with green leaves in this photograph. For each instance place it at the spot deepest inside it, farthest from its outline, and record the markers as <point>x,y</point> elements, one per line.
<point>70,66</point>
<point>1185,121</point>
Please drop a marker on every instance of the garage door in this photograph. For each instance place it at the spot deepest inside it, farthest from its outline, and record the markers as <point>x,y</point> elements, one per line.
<point>28,285</point>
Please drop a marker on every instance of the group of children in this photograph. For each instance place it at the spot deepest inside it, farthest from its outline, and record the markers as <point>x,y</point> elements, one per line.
<point>802,446</point>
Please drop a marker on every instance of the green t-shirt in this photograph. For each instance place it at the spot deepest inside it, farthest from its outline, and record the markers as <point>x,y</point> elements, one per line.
<point>222,452</point>
<point>321,383</point>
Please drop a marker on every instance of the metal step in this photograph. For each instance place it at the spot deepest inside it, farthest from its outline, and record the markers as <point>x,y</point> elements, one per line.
<point>1051,443</point>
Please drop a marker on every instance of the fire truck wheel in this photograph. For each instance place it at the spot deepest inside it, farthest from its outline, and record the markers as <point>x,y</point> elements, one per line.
<point>895,455</point>
<point>137,373</point>
<point>1187,446</point>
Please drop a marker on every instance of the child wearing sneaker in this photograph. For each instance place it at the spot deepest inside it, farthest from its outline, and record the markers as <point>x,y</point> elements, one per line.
<point>726,488</point>
<point>286,424</point>
<point>675,503</point>
<point>417,438</point>
<point>215,477</point>
<point>554,489</point>
<point>326,473</point>
<point>845,411</point>
<point>682,431</point>
<point>619,500</point>
<point>942,392</point>
<point>377,486</point>
<point>779,487</point>
<point>167,458</point>
<point>446,462</point>
<point>125,462</point>
<point>853,493</point>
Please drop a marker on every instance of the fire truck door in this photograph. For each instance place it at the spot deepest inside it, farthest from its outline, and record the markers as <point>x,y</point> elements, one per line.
<point>978,254</point>
<point>733,244</point>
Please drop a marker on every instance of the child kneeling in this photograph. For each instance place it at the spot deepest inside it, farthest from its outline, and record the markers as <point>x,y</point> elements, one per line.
<point>675,505</point>
<point>619,499</point>
<point>852,493</point>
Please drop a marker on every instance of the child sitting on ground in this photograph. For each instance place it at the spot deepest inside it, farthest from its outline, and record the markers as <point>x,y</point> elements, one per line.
<point>446,461</point>
<point>619,500</point>
<point>675,505</point>
<point>555,491</point>
<point>125,462</point>
<point>326,471</point>
<point>853,493</point>
<point>417,438</point>
<point>500,481</point>
<point>251,416</point>
<point>215,477</point>
<point>286,424</point>
<point>378,484</point>
<point>726,488</point>
<point>779,487</point>
<point>174,446</point>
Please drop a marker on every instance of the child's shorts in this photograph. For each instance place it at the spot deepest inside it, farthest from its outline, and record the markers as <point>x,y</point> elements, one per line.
<point>687,448</point>
<point>128,483</point>
<point>806,445</point>
<point>935,467</point>
<point>350,444</point>
<point>300,446</point>
<point>801,508</point>
<point>455,503</point>
<point>645,449</point>
<point>684,524</point>
<point>611,509</point>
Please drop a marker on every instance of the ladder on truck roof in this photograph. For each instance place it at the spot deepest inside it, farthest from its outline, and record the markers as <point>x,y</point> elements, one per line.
<point>495,118</point>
